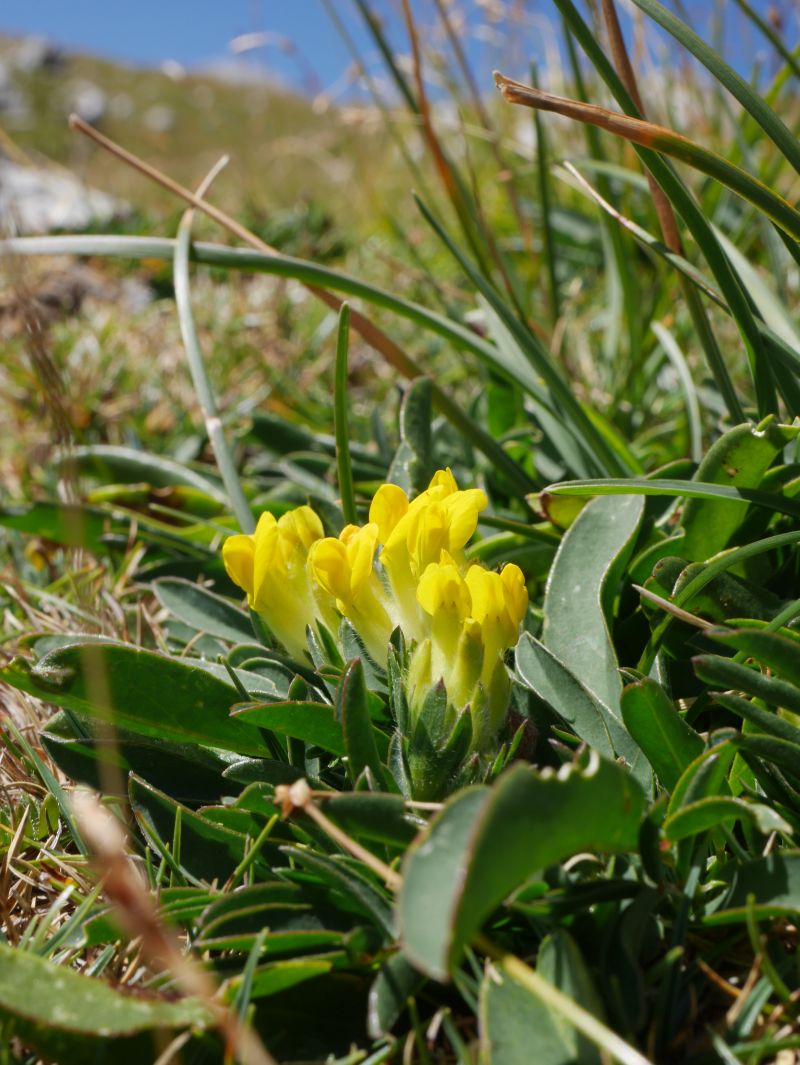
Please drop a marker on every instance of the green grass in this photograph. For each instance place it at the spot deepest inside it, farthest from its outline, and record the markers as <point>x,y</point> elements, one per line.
<point>591,853</point>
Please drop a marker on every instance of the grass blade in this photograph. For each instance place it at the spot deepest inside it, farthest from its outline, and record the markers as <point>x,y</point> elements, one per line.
<point>681,367</point>
<point>202,386</point>
<point>700,228</point>
<point>754,104</point>
<point>687,489</point>
<point>343,465</point>
<point>539,360</point>
<point>778,345</point>
<point>663,140</point>
<point>549,242</point>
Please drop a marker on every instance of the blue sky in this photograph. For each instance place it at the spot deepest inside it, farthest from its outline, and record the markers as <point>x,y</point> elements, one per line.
<point>195,32</point>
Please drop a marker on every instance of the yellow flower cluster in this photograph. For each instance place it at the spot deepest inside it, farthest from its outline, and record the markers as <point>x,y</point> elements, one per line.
<point>405,567</point>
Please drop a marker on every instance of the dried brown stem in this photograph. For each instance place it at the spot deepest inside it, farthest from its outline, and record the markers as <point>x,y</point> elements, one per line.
<point>299,796</point>
<point>137,912</point>
<point>619,53</point>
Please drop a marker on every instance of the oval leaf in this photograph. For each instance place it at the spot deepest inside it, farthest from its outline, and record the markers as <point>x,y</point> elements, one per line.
<point>583,577</point>
<point>486,842</point>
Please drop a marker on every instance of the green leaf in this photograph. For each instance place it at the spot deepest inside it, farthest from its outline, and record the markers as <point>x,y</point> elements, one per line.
<point>72,1019</point>
<point>311,722</point>
<point>186,772</point>
<point>772,882</point>
<point>517,1028</point>
<point>347,880</point>
<point>203,610</point>
<point>208,851</point>
<point>714,810</point>
<point>73,525</point>
<point>773,751</point>
<point>726,673</point>
<point>412,466</point>
<point>141,691</point>
<point>706,776</point>
<point>654,722</point>
<point>580,591</point>
<point>765,720</point>
<point>375,817</point>
<point>656,486</point>
<point>591,720</point>
<point>129,466</point>
<point>486,842</point>
<point>780,653</point>
<point>353,713</point>
<point>540,670</point>
<point>299,918</point>
<point>278,976</point>
<point>726,596</point>
<point>739,459</point>
<point>394,985</point>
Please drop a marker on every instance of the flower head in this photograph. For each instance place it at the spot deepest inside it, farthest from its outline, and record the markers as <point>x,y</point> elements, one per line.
<point>406,566</point>
<point>415,534</point>
<point>270,566</point>
<point>474,619</point>
<point>344,569</point>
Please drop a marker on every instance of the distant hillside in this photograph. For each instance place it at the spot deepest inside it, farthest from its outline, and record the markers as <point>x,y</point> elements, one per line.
<point>282,150</point>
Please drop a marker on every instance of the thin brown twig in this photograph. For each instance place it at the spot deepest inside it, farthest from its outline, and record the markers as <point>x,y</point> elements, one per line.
<point>619,53</point>
<point>299,796</point>
<point>724,985</point>
<point>671,608</point>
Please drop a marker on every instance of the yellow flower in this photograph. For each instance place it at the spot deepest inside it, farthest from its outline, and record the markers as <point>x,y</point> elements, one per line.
<point>389,505</point>
<point>270,566</point>
<point>344,569</point>
<point>443,595</point>
<point>442,518</point>
<point>416,534</point>
<point>473,620</point>
<point>499,601</point>
<point>461,618</point>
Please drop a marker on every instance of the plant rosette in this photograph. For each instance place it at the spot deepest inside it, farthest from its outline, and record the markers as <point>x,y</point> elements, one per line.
<point>402,581</point>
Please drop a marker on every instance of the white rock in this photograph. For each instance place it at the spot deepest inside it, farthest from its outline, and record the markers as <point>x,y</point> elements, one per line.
<point>88,100</point>
<point>159,118</point>
<point>38,201</point>
<point>35,53</point>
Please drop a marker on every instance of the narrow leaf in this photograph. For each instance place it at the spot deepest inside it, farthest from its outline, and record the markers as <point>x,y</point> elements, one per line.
<point>654,722</point>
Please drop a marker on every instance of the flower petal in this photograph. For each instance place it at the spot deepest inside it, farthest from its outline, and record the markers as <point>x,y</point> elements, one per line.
<point>463,510</point>
<point>389,505</point>
<point>237,554</point>
<point>328,564</point>
<point>516,592</point>
<point>360,553</point>
<point>303,525</point>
